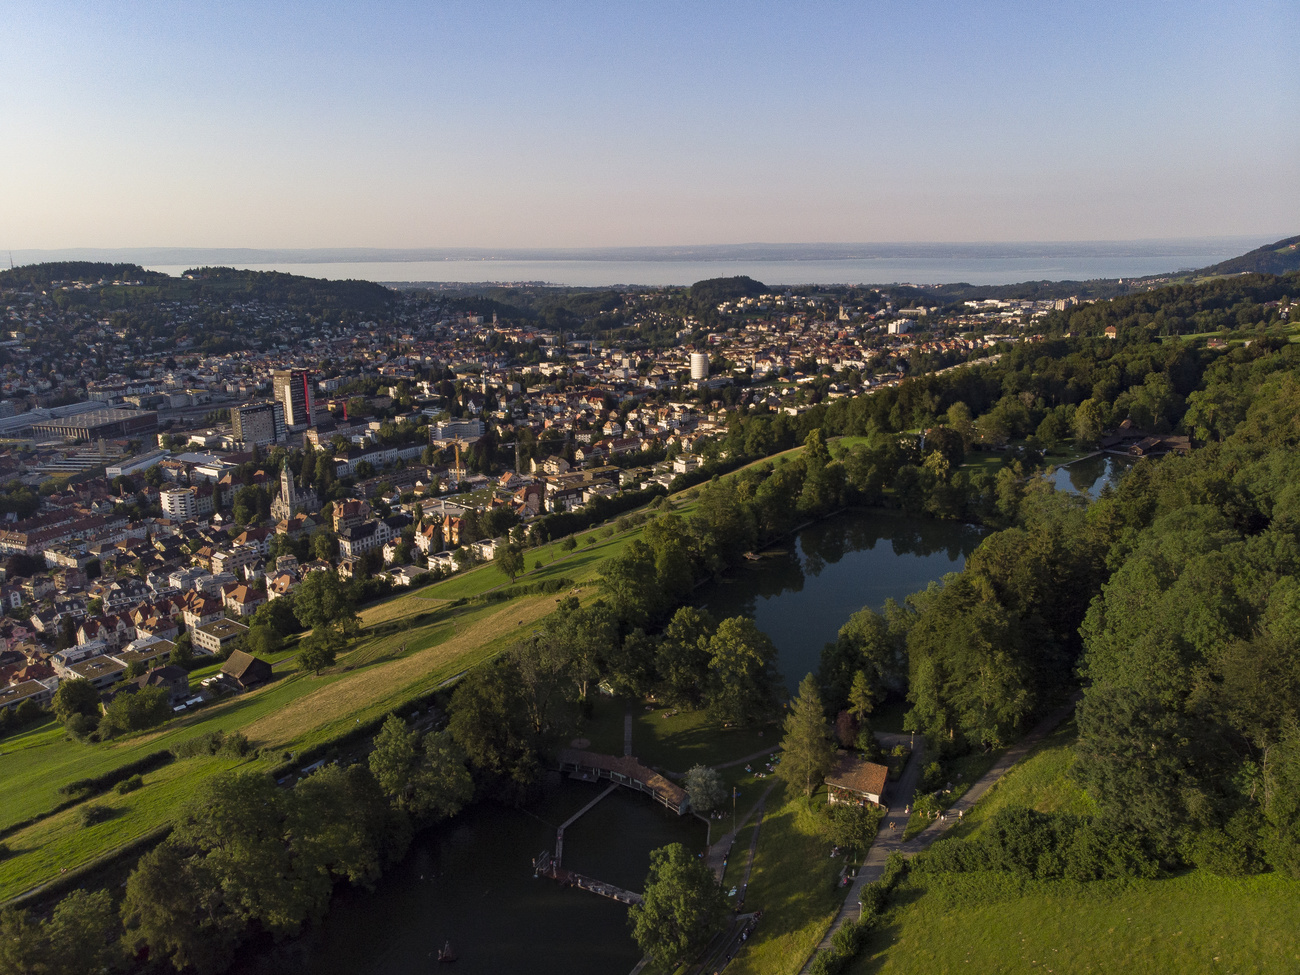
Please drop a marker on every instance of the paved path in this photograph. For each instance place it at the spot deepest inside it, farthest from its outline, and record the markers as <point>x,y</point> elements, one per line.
<point>717,854</point>
<point>986,781</point>
<point>888,841</point>
<point>753,849</point>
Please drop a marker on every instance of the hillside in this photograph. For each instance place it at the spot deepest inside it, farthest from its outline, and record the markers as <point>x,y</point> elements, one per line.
<point>1276,258</point>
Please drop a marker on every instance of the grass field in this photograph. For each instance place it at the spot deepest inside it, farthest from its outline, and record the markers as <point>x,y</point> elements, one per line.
<point>793,884</point>
<point>995,923</point>
<point>1042,782</point>
<point>294,712</point>
<point>988,923</point>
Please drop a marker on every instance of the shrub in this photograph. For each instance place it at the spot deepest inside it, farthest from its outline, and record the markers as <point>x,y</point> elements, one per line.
<point>81,726</point>
<point>91,814</point>
<point>102,783</point>
<point>5,852</point>
<point>845,940</point>
<point>129,785</point>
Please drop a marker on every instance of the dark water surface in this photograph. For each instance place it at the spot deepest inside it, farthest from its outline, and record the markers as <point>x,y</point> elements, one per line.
<point>802,592</point>
<point>1090,475</point>
<point>471,881</point>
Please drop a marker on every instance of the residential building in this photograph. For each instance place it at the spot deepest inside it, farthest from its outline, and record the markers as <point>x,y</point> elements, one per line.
<point>211,637</point>
<point>293,391</point>
<point>259,424</point>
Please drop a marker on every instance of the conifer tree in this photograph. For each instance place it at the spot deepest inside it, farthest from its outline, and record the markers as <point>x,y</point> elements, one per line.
<point>808,751</point>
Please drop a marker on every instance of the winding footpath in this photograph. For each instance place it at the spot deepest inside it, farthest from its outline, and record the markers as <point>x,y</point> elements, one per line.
<point>891,840</point>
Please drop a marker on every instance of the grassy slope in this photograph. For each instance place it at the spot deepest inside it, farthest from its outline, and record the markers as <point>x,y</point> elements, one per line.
<point>996,922</point>
<point>793,883</point>
<point>295,712</point>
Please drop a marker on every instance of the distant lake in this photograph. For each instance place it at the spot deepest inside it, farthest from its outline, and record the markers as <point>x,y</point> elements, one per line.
<point>982,264</point>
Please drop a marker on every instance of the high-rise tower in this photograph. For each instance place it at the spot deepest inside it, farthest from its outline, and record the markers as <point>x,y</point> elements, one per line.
<point>293,389</point>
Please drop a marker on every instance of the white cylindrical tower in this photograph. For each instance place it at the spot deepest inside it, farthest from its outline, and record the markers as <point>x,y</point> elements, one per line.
<point>699,366</point>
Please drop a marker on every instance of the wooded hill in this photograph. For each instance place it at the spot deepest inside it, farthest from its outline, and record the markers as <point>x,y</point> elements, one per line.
<point>1276,258</point>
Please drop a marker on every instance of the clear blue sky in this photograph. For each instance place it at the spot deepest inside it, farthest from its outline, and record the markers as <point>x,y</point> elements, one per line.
<point>619,123</point>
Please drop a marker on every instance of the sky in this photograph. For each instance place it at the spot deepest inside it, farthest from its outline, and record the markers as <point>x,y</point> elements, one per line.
<point>592,124</point>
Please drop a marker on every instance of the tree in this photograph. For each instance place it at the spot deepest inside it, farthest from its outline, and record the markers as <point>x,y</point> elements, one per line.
<point>424,775</point>
<point>807,752</point>
<point>705,789</point>
<point>183,652</point>
<point>76,696</point>
<point>861,698</point>
<point>742,673</point>
<point>849,825</point>
<point>510,560</point>
<point>321,599</point>
<point>489,720</point>
<point>683,906</point>
<point>346,826</point>
<point>321,649</point>
<point>82,935</point>
<point>262,641</point>
<point>682,659</point>
<point>145,708</point>
<point>324,544</point>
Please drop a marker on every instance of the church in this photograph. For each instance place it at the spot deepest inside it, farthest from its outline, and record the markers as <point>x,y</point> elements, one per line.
<point>291,499</point>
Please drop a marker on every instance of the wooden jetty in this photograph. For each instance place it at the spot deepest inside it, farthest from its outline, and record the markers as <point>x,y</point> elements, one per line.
<point>571,879</point>
<point>546,864</point>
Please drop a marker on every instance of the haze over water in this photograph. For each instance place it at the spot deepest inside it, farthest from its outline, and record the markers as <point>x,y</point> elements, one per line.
<point>979,264</point>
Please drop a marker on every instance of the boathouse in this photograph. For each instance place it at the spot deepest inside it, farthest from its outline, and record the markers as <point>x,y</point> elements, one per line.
<point>624,771</point>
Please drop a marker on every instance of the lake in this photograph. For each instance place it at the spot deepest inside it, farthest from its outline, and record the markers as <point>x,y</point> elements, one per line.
<point>973,263</point>
<point>803,591</point>
<point>471,880</point>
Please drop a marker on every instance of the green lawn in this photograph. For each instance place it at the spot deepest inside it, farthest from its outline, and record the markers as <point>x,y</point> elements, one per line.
<point>675,743</point>
<point>1042,782</point>
<point>987,923</point>
<point>994,923</point>
<point>793,884</point>
<point>59,842</point>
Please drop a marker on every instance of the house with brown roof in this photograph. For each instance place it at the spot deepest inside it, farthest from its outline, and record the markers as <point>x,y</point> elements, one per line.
<point>855,781</point>
<point>246,670</point>
<point>241,600</point>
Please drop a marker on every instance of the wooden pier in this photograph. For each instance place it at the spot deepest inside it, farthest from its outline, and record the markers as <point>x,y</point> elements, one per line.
<point>571,879</point>
<point>559,833</point>
<point>547,864</point>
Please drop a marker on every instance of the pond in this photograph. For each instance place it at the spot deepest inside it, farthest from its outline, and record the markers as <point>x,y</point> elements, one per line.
<point>801,592</point>
<point>471,883</point>
<point>1090,475</point>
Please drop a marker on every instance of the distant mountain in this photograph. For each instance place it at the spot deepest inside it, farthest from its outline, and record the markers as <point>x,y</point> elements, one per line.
<point>1270,259</point>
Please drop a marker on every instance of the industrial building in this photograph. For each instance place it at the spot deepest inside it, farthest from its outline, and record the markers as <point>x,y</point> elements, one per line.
<point>93,424</point>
